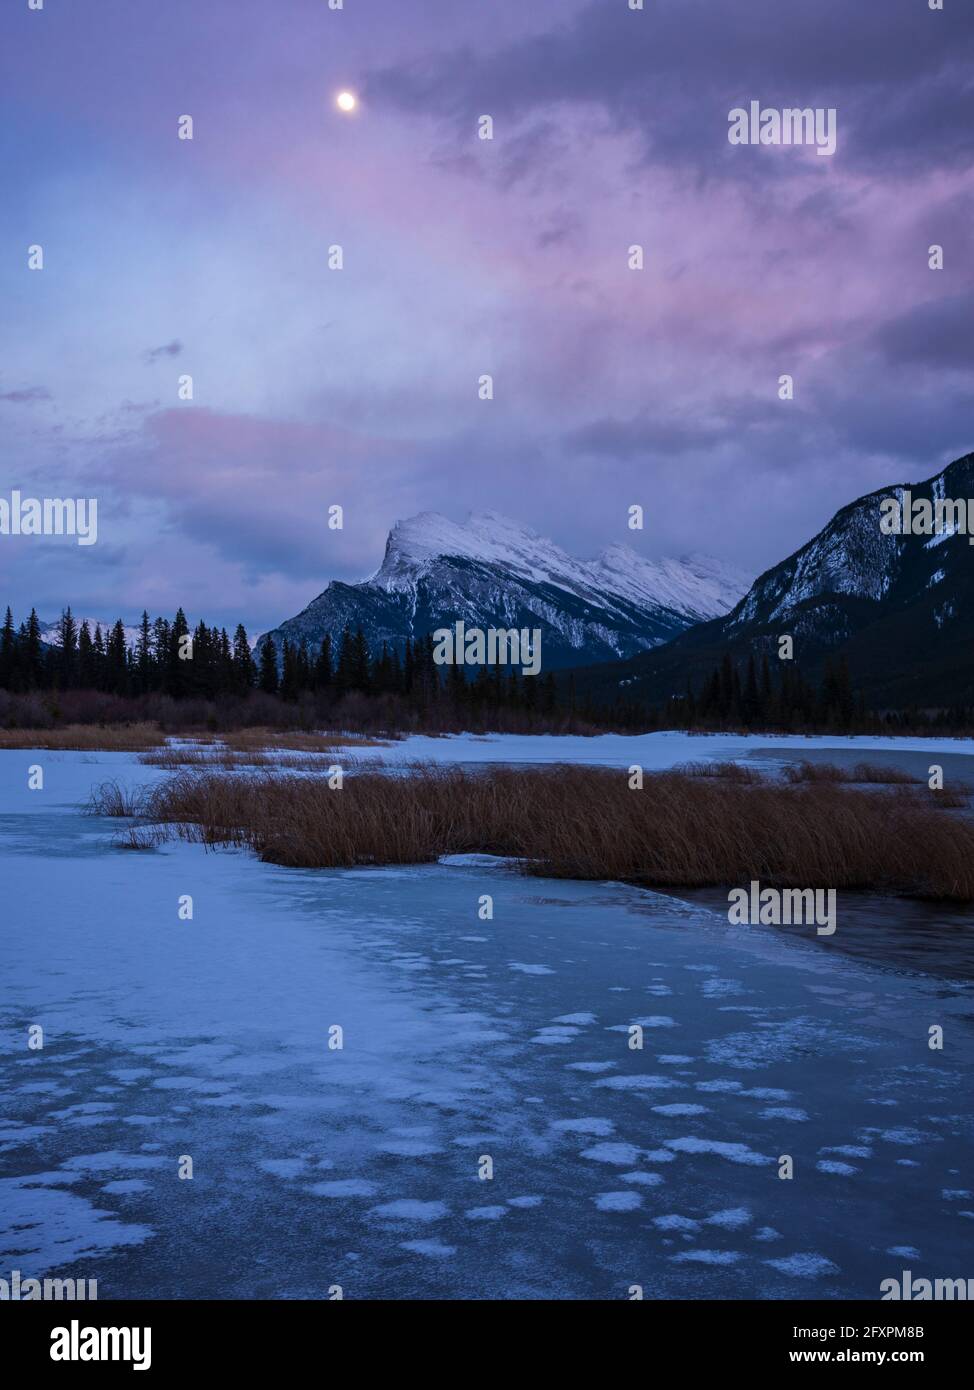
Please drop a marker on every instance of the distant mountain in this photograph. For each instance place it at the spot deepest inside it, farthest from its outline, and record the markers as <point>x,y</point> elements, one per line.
<point>493,572</point>
<point>899,608</point>
<point>51,632</point>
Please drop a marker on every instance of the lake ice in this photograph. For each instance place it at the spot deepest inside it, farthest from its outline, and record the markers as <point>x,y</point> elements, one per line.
<point>463,1040</point>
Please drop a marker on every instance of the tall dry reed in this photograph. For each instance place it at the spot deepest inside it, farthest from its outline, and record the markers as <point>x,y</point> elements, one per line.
<point>583,823</point>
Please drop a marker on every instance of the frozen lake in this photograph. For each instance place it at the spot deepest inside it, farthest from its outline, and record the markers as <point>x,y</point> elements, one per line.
<point>463,1040</point>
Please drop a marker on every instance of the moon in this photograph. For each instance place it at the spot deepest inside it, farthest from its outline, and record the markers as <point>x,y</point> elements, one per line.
<point>347,101</point>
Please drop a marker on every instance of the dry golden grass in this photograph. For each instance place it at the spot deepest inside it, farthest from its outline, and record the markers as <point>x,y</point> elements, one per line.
<point>882,774</point>
<point>246,740</point>
<point>875,773</point>
<point>216,756</point>
<point>582,823</point>
<point>114,800</point>
<point>732,772</point>
<point>258,747</point>
<point>89,738</point>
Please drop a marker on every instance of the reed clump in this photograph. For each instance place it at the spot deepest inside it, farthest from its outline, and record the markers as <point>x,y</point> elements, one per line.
<point>677,830</point>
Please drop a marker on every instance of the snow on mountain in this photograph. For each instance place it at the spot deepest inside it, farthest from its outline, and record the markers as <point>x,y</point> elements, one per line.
<point>697,586</point>
<point>852,558</point>
<point>492,571</point>
<point>899,608</point>
<point>51,632</point>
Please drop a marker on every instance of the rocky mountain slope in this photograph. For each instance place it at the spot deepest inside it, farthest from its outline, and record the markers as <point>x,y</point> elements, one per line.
<point>899,608</point>
<point>493,572</point>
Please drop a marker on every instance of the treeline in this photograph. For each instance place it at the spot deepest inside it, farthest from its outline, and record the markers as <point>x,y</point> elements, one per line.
<point>413,675</point>
<point>776,696</point>
<point>204,675</point>
<point>184,678</point>
<point>749,696</point>
<point>166,657</point>
<point>170,658</point>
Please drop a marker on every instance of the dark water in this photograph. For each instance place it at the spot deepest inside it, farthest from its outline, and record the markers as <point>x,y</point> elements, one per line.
<point>889,933</point>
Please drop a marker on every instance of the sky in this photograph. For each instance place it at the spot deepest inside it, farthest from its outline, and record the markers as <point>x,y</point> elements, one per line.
<point>465,257</point>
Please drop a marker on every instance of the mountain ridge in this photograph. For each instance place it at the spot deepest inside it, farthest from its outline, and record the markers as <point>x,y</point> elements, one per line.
<point>492,571</point>
<point>899,609</point>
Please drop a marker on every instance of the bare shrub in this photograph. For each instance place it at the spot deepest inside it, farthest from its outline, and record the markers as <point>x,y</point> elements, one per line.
<point>139,837</point>
<point>112,799</point>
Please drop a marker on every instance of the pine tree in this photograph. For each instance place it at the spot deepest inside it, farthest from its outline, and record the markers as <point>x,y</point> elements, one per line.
<point>8,652</point>
<point>177,664</point>
<point>529,689</point>
<point>549,696</point>
<point>289,671</point>
<point>98,657</point>
<point>323,673</point>
<point>689,706</point>
<point>87,669</point>
<point>456,685</point>
<point>244,673</point>
<point>68,658</point>
<point>143,655</point>
<point>750,701</point>
<point>116,657</point>
<point>303,667</point>
<point>267,678</point>
<point>843,693</point>
<point>766,692</point>
<point>360,662</point>
<point>345,668</point>
<point>382,672</point>
<point>726,699</point>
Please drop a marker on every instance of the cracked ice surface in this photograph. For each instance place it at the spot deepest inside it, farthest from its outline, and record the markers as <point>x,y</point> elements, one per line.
<point>462,1040</point>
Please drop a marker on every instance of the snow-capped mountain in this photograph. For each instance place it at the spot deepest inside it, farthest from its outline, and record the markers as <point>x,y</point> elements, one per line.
<point>900,608</point>
<point>51,632</point>
<point>492,572</point>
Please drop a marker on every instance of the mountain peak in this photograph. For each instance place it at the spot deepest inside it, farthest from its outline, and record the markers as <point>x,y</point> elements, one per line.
<point>490,571</point>
<point>897,607</point>
<point>487,537</point>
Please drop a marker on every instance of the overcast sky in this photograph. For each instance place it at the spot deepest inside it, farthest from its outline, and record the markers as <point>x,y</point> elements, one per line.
<point>463,256</point>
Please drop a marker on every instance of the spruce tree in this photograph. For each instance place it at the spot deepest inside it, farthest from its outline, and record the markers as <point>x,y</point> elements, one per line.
<point>360,662</point>
<point>177,663</point>
<point>8,651</point>
<point>289,671</point>
<point>323,672</point>
<point>98,657</point>
<point>87,672</point>
<point>346,663</point>
<point>267,678</point>
<point>68,661</point>
<point>143,655</point>
<point>116,659</point>
<point>244,673</point>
